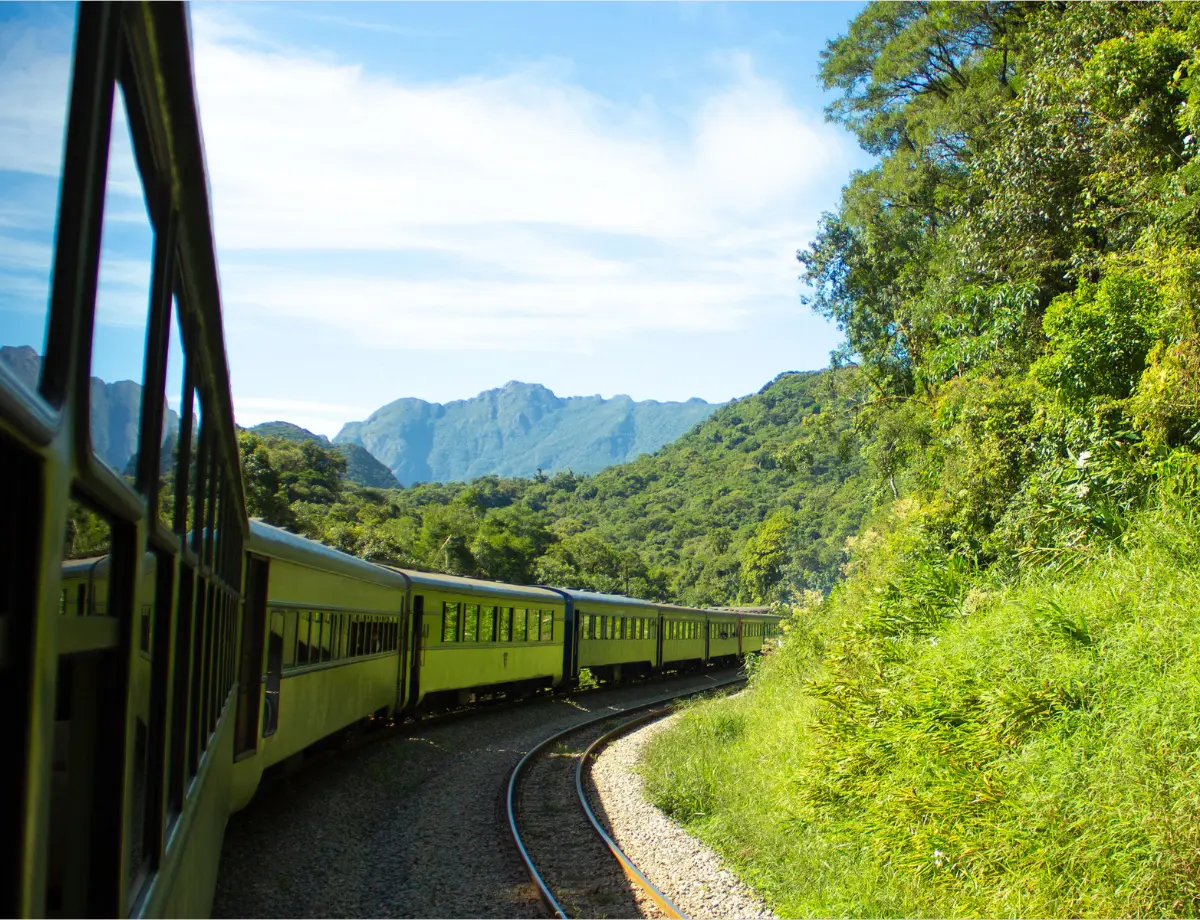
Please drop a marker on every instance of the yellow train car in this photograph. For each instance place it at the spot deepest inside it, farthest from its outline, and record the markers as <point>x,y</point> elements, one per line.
<point>613,636</point>
<point>724,636</point>
<point>327,631</point>
<point>683,636</point>
<point>473,637</point>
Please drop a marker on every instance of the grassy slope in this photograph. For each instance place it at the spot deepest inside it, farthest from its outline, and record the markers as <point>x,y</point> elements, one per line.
<point>1031,751</point>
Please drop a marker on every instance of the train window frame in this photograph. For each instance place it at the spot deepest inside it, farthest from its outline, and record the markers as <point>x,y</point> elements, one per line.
<point>547,620</point>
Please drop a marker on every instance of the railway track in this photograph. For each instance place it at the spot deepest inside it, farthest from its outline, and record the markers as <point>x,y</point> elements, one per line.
<point>575,865</point>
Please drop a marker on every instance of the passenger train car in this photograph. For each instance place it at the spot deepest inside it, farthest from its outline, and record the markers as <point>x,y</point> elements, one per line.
<point>152,682</point>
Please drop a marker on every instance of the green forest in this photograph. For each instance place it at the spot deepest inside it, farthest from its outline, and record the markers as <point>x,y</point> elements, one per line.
<point>996,709</point>
<point>732,511</point>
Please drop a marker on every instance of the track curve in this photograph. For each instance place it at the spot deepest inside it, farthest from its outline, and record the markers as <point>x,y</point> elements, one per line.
<point>587,899</point>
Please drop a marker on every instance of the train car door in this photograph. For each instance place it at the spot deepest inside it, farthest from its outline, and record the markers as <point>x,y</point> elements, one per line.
<point>658,640</point>
<point>252,677</point>
<point>418,641</point>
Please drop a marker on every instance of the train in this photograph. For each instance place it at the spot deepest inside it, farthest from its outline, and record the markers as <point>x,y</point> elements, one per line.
<point>331,642</point>
<point>151,684</point>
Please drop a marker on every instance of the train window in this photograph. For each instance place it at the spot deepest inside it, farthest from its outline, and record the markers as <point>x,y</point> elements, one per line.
<point>449,622</point>
<point>309,636</point>
<point>122,309</point>
<point>547,625</point>
<point>591,626</point>
<point>470,623</point>
<point>505,624</point>
<point>333,623</point>
<point>195,461</point>
<point>320,637</point>
<point>519,625</point>
<point>87,533</point>
<point>168,458</point>
<point>487,624</point>
<point>36,58</point>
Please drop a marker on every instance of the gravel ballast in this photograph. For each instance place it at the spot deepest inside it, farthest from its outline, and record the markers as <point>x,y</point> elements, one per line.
<point>684,869</point>
<point>409,826</point>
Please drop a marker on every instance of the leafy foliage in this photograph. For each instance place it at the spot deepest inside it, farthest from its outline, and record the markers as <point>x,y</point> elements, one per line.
<point>713,518</point>
<point>992,713</point>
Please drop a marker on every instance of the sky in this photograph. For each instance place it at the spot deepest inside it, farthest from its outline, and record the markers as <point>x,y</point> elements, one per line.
<point>432,199</point>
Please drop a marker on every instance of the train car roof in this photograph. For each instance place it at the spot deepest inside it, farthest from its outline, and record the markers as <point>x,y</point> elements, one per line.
<point>81,566</point>
<point>98,565</point>
<point>679,608</point>
<point>595,597</point>
<point>748,611</point>
<point>463,585</point>
<point>281,544</point>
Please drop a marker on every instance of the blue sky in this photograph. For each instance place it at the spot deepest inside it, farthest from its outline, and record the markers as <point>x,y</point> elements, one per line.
<point>430,199</point>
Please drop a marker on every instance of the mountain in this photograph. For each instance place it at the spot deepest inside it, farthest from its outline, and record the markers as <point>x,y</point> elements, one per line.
<point>516,430</point>
<point>361,467</point>
<point>115,408</point>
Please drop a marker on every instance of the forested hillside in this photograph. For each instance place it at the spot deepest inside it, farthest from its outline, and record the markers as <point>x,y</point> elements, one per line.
<point>712,518</point>
<point>995,712</point>
<point>361,466</point>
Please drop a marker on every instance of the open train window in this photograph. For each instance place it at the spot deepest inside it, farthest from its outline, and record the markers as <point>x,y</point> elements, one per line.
<point>470,622</point>
<point>519,625</point>
<point>547,625</point>
<point>449,622</point>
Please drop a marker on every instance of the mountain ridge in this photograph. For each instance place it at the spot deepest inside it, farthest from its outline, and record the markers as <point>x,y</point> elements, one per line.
<point>517,430</point>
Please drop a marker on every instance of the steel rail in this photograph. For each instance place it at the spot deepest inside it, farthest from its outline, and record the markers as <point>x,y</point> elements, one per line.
<point>532,754</point>
<point>634,874</point>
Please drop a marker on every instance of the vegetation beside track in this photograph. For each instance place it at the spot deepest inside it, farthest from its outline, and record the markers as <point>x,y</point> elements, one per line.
<point>996,712</point>
<point>975,749</point>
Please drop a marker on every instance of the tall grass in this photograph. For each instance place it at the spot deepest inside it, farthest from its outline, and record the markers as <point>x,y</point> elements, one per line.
<point>926,744</point>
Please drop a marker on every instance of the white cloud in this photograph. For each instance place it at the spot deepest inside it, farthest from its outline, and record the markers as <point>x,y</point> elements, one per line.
<point>552,213</point>
<point>318,417</point>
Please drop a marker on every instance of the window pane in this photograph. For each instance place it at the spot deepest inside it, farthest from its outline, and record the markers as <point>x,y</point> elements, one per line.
<point>303,622</point>
<point>547,625</point>
<point>505,624</point>
<point>449,622</point>
<point>87,534</point>
<point>487,624</point>
<point>519,634</point>
<point>173,410</point>
<point>470,622</point>
<point>36,46</point>
<point>122,305</point>
<point>195,470</point>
